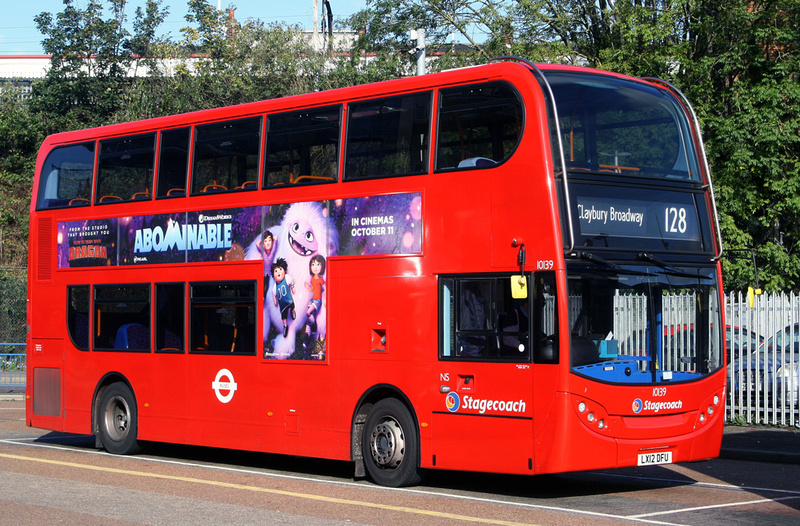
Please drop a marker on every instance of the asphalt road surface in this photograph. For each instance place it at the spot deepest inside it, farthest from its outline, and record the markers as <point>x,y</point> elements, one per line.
<point>48,477</point>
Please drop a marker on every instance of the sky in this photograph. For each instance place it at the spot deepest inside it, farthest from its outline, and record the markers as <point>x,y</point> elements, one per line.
<point>19,36</point>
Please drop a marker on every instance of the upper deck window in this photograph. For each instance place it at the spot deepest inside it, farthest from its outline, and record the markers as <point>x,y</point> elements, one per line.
<point>226,156</point>
<point>388,136</point>
<point>479,126</point>
<point>66,178</point>
<point>125,168</point>
<point>611,125</point>
<point>303,147</point>
<point>173,162</point>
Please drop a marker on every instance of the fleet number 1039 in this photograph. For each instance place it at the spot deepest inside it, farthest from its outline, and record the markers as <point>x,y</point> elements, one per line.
<point>675,219</point>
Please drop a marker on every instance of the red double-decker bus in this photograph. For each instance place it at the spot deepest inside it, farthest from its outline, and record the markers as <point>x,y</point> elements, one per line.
<point>481,269</point>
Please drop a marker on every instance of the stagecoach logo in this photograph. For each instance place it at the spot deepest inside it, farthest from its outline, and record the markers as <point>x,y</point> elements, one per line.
<point>229,385</point>
<point>654,407</point>
<point>453,402</point>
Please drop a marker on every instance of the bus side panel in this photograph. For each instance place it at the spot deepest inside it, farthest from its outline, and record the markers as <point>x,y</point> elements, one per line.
<point>160,389</point>
<point>482,443</point>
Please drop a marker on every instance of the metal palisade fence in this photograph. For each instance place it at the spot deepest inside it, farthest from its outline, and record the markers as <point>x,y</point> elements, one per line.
<point>763,337</point>
<point>12,329</point>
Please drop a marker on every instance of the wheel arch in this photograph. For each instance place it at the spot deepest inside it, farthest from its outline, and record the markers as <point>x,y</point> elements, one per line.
<point>368,399</point>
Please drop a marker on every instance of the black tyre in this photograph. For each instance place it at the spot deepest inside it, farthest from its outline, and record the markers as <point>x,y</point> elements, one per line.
<point>117,420</point>
<point>390,445</point>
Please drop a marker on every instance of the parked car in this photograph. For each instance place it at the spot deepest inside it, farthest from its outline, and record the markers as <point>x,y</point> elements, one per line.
<point>772,363</point>
<point>788,375</point>
<point>738,341</point>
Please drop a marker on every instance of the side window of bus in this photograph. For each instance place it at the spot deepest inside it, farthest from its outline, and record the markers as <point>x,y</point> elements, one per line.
<point>170,301</point>
<point>173,162</point>
<point>226,156</point>
<point>223,317</point>
<point>125,169</point>
<point>479,126</point>
<point>303,147</point>
<point>121,318</point>
<point>388,136</point>
<point>66,178</point>
<point>78,316</point>
<point>480,320</point>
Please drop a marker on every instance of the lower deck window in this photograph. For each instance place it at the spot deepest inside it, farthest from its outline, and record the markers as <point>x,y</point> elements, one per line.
<point>78,315</point>
<point>223,317</point>
<point>170,317</point>
<point>122,317</point>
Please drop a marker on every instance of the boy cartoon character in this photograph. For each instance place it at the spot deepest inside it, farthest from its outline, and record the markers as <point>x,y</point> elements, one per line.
<point>282,291</point>
<point>316,267</point>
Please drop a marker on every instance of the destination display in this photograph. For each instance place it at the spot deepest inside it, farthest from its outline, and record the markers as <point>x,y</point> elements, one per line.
<point>618,217</point>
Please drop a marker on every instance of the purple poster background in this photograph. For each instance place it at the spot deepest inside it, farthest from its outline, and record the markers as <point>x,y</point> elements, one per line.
<point>375,225</point>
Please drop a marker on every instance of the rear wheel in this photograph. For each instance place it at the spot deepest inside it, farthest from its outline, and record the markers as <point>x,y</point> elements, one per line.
<point>391,445</point>
<point>117,424</point>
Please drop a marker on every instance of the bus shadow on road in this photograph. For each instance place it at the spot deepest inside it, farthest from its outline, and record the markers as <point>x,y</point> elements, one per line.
<point>547,487</point>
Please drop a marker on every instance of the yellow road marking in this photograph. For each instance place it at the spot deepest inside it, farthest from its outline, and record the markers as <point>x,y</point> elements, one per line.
<point>309,496</point>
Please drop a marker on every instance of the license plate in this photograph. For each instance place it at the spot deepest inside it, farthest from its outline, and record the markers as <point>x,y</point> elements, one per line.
<point>652,459</point>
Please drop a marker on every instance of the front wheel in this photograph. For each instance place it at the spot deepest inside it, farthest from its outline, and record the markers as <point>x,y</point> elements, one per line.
<point>391,445</point>
<point>117,424</point>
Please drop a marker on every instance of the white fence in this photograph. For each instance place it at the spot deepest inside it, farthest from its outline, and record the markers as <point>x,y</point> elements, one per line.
<point>764,359</point>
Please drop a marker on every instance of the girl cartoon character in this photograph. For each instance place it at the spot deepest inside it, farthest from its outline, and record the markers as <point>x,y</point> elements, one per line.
<point>316,268</point>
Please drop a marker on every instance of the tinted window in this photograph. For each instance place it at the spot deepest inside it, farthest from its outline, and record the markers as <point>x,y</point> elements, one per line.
<point>611,125</point>
<point>479,126</point>
<point>303,147</point>
<point>226,156</point>
<point>66,178</point>
<point>122,317</point>
<point>78,316</point>
<point>388,136</point>
<point>125,168</point>
<point>170,314</point>
<point>481,320</point>
<point>223,317</point>
<point>173,162</point>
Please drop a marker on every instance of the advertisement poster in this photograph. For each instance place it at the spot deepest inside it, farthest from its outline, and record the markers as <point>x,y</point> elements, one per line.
<point>90,243</point>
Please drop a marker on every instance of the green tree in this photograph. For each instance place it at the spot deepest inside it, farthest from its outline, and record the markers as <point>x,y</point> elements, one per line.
<point>20,136</point>
<point>92,60</point>
<point>742,70</point>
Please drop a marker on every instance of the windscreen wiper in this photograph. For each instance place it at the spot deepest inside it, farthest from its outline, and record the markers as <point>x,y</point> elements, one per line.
<point>668,269</point>
<point>594,258</point>
<point>609,266</point>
